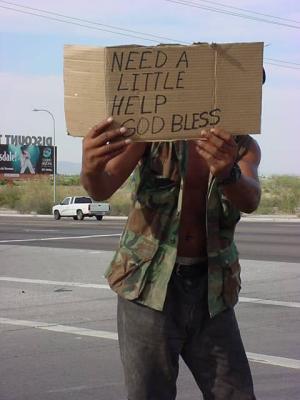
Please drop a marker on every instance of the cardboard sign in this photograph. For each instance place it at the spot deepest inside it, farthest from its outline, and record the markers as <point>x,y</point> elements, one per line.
<point>166,92</point>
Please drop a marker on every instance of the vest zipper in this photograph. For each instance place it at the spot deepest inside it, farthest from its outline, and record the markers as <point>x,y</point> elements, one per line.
<point>209,188</point>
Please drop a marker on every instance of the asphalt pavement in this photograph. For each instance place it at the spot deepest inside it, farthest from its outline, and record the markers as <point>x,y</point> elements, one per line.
<point>58,317</point>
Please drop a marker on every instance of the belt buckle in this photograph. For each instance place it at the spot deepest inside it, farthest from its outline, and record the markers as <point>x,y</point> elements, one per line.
<point>177,269</point>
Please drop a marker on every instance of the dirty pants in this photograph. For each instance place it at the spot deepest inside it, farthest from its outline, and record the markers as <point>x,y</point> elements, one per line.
<point>151,342</point>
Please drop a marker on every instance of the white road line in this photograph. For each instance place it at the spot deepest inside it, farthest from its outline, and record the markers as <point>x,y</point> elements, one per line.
<point>254,357</point>
<point>273,360</point>
<point>99,286</point>
<point>291,304</point>
<point>57,283</point>
<point>40,230</point>
<point>74,330</point>
<point>58,238</point>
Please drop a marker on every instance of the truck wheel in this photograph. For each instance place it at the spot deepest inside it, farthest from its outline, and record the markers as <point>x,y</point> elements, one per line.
<point>56,215</point>
<point>99,217</point>
<point>80,215</point>
<point>75,217</point>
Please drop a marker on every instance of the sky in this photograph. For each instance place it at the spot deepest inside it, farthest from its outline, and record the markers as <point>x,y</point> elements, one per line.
<point>31,59</point>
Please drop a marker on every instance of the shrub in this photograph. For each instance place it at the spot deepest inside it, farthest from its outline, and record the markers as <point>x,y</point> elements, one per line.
<point>36,196</point>
<point>280,194</point>
<point>68,180</point>
<point>9,196</point>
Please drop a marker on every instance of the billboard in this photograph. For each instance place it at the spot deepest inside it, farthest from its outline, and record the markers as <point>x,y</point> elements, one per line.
<point>26,160</point>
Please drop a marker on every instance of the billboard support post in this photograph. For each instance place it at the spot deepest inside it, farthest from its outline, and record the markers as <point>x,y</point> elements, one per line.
<point>54,152</point>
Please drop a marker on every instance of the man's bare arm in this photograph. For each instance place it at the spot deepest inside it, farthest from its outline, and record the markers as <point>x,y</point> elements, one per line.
<point>107,159</point>
<point>220,151</point>
<point>245,194</point>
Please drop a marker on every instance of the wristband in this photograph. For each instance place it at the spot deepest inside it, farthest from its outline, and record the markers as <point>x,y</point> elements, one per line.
<point>234,175</point>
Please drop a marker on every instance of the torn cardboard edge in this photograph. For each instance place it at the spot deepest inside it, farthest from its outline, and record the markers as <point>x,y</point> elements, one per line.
<point>165,92</point>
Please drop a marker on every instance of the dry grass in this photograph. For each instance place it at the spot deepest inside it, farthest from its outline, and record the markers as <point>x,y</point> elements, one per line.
<point>280,194</point>
<point>35,195</point>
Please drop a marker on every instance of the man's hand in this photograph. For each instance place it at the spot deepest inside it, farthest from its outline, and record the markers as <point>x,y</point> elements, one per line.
<point>108,158</point>
<point>219,150</point>
<point>101,145</point>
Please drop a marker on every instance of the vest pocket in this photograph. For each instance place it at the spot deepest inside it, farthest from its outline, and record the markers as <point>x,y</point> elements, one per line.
<point>231,282</point>
<point>157,192</point>
<point>230,215</point>
<point>127,274</point>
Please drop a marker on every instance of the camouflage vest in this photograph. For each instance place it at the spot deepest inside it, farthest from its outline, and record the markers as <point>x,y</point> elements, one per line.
<point>143,264</point>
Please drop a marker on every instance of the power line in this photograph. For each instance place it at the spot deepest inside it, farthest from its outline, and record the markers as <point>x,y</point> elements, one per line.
<point>245,10</point>
<point>227,12</point>
<point>78,24</point>
<point>84,21</point>
<point>282,66</point>
<point>130,33</point>
<point>282,61</point>
<point>235,14</point>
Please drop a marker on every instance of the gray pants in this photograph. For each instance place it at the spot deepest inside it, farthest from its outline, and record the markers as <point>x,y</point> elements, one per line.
<point>151,342</point>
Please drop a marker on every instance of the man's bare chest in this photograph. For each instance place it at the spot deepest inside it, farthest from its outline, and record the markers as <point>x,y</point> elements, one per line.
<point>192,234</point>
<point>196,179</point>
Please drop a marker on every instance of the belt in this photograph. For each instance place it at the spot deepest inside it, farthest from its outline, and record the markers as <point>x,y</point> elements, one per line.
<point>191,271</point>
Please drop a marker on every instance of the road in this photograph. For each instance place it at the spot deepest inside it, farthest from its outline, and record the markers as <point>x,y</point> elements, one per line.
<point>256,240</point>
<point>57,318</point>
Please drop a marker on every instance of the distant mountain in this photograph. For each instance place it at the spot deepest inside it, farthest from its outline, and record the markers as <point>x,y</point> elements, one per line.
<point>68,168</point>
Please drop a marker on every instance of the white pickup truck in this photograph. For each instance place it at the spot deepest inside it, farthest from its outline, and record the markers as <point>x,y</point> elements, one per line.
<point>79,207</point>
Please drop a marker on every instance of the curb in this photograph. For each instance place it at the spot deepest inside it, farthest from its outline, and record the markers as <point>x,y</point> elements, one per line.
<point>49,216</point>
<point>260,218</point>
<point>253,218</point>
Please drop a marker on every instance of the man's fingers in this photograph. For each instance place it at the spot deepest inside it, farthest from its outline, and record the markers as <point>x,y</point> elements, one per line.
<point>222,134</point>
<point>107,136</point>
<point>217,142</point>
<point>110,147</point>
<point>100,128</point>
<point>212,162</point>
<point>211,149</point>
<point>218,134</point>
<point>215,165</point>
<point>204,154</point>
<point>112,155</point>
<point>111,136</point>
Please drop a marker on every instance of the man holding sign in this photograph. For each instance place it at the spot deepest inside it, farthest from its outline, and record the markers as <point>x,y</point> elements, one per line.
<point>176,271</point>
